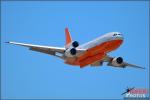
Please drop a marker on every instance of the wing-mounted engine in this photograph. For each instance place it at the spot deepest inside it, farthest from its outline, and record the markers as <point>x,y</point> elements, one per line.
<point>70,45</point>
<point>117,62</point>
<point>71,50</point>
<point>73,44</point>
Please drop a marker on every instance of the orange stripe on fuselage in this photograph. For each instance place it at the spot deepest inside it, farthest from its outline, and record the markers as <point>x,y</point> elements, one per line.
<point>106,46</point>
<point>96,53</point>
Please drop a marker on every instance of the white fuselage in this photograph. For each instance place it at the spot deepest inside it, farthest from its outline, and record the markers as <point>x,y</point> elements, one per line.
<point>104,38</point>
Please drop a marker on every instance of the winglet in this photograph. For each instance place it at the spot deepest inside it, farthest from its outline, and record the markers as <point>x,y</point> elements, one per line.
<point>68,37</point>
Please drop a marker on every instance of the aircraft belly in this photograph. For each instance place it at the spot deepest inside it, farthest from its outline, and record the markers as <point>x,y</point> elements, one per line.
<point>94,54</point>
<point>90,59</point>
<point>71,61</point>
<point>98,52</point>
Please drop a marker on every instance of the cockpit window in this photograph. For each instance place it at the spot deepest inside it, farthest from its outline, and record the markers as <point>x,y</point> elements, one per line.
<point>116,34</point>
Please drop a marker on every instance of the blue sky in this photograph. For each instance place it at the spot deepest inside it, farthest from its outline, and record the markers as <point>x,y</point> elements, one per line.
<point>27,74</point>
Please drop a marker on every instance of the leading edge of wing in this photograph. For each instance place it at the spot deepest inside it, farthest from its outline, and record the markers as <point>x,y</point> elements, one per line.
<point>38,46</point>
<point>135,66</point>
<point>57,49</point>
<point>124,64</point>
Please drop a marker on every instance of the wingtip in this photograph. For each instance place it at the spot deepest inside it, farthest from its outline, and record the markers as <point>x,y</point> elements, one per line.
<point>7,42</point>
<point>141,67</point>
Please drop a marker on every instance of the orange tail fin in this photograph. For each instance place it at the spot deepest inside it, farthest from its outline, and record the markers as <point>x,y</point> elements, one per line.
<point>68,37</point>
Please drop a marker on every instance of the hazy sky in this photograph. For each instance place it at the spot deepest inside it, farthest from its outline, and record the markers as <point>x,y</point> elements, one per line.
<point>29,74</point>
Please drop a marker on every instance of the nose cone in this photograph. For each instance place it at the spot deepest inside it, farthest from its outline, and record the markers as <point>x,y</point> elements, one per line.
<point>120,37</point>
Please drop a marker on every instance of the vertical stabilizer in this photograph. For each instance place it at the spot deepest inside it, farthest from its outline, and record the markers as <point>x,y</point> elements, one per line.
<point>68,37</point>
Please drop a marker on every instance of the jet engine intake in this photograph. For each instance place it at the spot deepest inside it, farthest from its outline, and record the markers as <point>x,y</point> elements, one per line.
<point>73,51</point>
<point>117,62</point>
<point>70,52</point>
<point>75,44</point>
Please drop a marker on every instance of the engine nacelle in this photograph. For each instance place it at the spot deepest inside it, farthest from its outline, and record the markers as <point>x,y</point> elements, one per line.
<point>75,44</point>
<point>71,52</point>
<point>117,61</point>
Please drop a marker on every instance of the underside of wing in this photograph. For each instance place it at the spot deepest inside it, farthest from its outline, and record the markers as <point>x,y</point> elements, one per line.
<point>55,51</point>
<point>131,65</point>
<point>44,49</point>
<point>118,62</point>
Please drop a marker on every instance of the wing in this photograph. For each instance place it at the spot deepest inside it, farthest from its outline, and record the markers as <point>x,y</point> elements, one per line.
<point>109,60</point>
<point>122,65</point>
<point>55,51</point>
<point>44,49</point>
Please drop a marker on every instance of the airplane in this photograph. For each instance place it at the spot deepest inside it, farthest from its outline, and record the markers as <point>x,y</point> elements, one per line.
<point>128,90</point>
<point>93,53</point>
